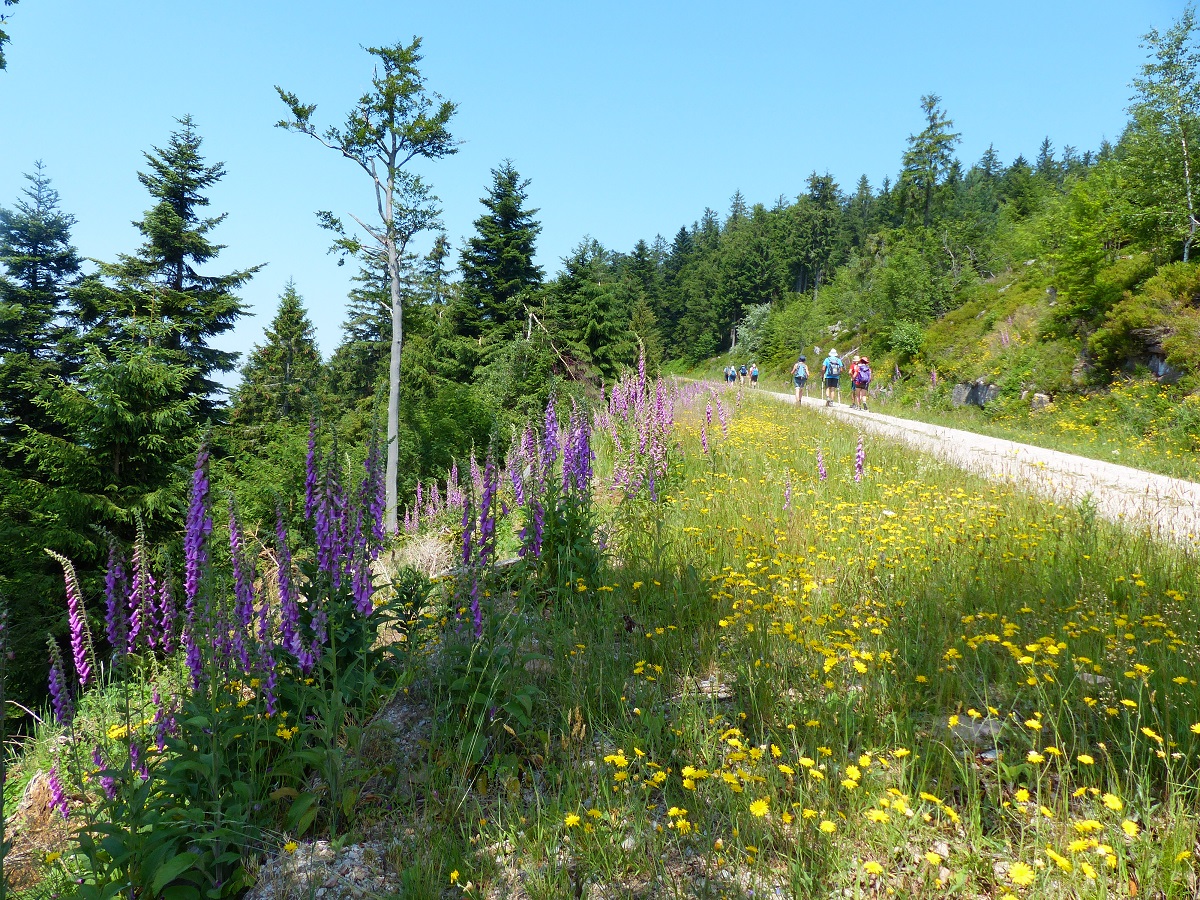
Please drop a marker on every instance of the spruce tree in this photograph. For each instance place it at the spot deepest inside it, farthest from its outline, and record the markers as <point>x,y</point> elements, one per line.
<point>497,263</point>
<point>40,265</point>
<point>928,157</point>
<point>162,278</point>
<point>282,378</point>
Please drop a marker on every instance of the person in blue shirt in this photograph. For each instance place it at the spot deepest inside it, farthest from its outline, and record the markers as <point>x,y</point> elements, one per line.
<point>832,369</point>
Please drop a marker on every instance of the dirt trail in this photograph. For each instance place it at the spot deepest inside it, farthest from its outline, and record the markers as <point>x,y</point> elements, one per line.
<point>1168,508</point>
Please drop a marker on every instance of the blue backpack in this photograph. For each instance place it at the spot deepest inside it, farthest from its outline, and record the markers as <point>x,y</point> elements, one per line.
<point>833,368</point>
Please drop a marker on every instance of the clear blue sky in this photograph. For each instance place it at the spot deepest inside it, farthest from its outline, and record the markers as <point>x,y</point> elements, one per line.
<point>629,117</point>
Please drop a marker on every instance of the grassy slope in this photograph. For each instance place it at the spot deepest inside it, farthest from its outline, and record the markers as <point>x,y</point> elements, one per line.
<point>771,684</point>
<point>785,702</point>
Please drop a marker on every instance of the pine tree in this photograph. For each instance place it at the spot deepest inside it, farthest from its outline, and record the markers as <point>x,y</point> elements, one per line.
<point>41,265</point>
<point>497,263</point>
<point>282,378</point>
<point>163,279</point>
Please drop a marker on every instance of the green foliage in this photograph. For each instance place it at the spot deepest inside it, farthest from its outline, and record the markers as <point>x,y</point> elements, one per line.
<point>906,339</point>
<point>281,380</point>
<point>498,271</point>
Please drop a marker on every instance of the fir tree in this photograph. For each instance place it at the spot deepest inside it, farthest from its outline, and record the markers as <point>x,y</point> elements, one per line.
<point>497,263</point>
<point>41,265</point>
<point>163,277</point>
<point>928,157</point>
<point>282,377</point>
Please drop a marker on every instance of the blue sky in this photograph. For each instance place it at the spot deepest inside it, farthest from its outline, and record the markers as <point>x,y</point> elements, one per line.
<point>629,118</point>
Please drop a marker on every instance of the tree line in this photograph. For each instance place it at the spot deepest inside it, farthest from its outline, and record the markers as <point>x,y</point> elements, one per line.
<point>110,380</point>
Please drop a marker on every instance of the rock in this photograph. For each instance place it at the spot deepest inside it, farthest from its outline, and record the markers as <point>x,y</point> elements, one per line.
<point>976,393</point>
<point>1039,401</point>
<point>629,844</point>
<point>979,732</point>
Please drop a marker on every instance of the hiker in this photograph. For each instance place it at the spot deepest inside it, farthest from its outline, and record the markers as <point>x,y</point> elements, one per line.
<point>729,374</point>
<point>800,376</point>
<point>832,370</point>
<point>753,374</point>
<point>861,381</point>
<point>742,373</point>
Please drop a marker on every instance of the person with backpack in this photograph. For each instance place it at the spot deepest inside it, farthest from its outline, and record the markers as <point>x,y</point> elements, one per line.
<point>800,377</point>
<point>861,381</point>
<point>742,373</point>
<point>832,370</point>
<point>728,374</point>
<point>753,374</point>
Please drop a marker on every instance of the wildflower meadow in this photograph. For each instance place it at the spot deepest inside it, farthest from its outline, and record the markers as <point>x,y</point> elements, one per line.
<point>686,643</point>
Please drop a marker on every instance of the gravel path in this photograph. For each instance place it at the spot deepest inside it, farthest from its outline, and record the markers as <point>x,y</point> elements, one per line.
<point>1169,508</point>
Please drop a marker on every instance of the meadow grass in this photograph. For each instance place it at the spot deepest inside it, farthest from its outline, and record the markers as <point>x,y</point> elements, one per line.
<point>914,683</point>
<point>918,682</point>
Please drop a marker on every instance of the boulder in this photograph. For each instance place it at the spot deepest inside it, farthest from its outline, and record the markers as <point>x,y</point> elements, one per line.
<point>975,393</point>
<point>1039,401</point>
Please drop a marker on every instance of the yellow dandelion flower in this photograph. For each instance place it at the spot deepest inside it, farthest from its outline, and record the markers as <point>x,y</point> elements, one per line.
<point>1130,828</point>
<point>291,847</point>
<point>1113,802</point>
<point>1021,874</point>
<point>827,827</point>
<point>933,859</point>
<point>873,868</point>
<point>571,820</point>
<point>759,808</point>
<point>1034,757</point>
<point>1085,759</point>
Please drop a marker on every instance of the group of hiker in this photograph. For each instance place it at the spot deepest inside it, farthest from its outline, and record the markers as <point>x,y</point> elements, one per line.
<point>832,369</point>
<point>859,371</point>
<point>741,373</point>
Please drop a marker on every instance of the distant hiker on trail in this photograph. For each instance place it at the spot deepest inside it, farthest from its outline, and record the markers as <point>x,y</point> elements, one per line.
<point>753,374</point>
<point>832,369</point>
<point>800,377</point>
<point>861,380</point>
<point>742,373</point>
<point>729,374</point>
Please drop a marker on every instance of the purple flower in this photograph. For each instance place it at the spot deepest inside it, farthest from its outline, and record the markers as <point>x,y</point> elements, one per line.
<point>269,686</point>
<point>58,799</point>
<point>549,439</point>
<point>107,782</point>
<point>362,584</point>
<point>195,662</point>
<point>821,465</point>
<point>116,588</point>
<point>487,514</point>
<point>60,689</point>
<point>196,531</point>
<point>311,476</point>
<point>704,437</point>
<point>243,590</point>
<point>289,608</point>
<point>141,597</point>
<point>166,612</point>
<point>860,457</point>
<point>787,491</point>
<point>81,635</point>
<point>531,534</point>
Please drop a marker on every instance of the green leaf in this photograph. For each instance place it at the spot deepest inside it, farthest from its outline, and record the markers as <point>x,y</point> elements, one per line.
<point>172,869</point>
